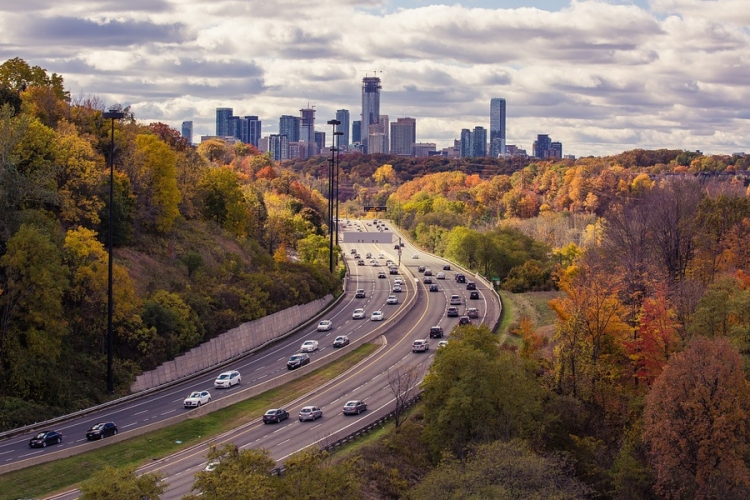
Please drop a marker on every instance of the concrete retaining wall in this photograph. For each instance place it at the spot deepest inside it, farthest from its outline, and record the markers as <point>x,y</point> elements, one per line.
<point>244,338</point>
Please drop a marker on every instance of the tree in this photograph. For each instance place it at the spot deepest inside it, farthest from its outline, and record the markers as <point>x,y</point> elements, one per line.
<point>403,381</point>
<point>384,174</point>
<point>123,484</point>
<point>154,177</point>
<point>696,423</point>
<point>240,474</point>
<point>17,74</point>
<point>310,475</point>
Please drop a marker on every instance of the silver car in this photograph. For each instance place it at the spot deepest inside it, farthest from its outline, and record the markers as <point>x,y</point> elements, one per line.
<point>310,413</point>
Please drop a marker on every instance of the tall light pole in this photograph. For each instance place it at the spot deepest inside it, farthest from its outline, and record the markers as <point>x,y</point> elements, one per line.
<point>337,135</point>
<point>112,114</point>
<point>330,191</point>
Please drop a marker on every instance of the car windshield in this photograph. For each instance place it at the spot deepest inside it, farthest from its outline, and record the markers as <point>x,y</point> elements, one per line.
<point>296,358</point>
<point>195,395</point>
<point>306,410</point>
<point>97,427</point>
<point>41,435</point>
<point>309,342</point>
<point>223,376</point>
<point>270,412</point>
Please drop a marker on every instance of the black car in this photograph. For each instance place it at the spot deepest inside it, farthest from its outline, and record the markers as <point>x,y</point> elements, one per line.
<point>460,278</point>
<point>354,407</point>
<point>428,272</point>
<point>474,295</point>
<point>341,341</point>
<point>464,320</point>
<point>436,332</point>
<point>275,415</point>
<point>101,430</point>
<point>428,281</point>
<point>452,312</point>
<point>420,269</point>
<point>297,360</point>
<point>42,439</point>
<point>471,285</point>
<point>447,267</point>
<point>434,288</point>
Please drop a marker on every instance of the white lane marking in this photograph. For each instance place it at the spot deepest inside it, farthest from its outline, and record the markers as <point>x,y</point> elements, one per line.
<point>129,425</point>
<point>285,441</point>
<point>167,412</point>
<point>9,451</point>
<point>140,412</point>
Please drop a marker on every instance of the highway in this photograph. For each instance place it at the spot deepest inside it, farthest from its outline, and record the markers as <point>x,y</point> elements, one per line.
<point>366,381</point>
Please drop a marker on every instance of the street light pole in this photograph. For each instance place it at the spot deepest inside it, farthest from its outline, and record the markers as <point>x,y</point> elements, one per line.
<point>330,192</point>
<point>337,135</point>
<point>113,115</point>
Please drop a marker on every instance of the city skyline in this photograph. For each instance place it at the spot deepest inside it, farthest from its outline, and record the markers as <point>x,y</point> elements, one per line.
<point>599,76</point>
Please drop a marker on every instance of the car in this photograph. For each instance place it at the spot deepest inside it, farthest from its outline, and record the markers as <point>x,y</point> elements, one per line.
<point>434,288</point>
<point>396,246</point>
<point>464,320</point>
<point>389,263</point>
<point>374,263</point>
<point>428,272</point>
<point>325,325</point>
<point>415,256</point>
<point>45,438</point>
<point>353,251</point>
<point>398,281</point>
<point>357,256</point>
<point>442,343</point>
<point>341,341</point>
<point>381,256</point>
<point>381,275</point>
<point>436,332</point>
<point>402,243</point>
<point>310,413</point>
<point>427,280</point>
<point>397,288</point>
<point>297,360</point>
<point>354,407</point>
<point>474,295</point>
<point>360,262</point>
<point>470,285</point>
<point>447,267</point>
<point>452,312</point>
<point>359,294</point>
<point>358,314</point>
<point>197,398</point>
<point>212,465</point>
<point>101,430</point>
<point>376,316</point>
<point>227,379</point>
<point>275,415</point>
<point>460,278</point>
<point>455,300</point>
<point>393,270</point>
<point>392,299</point>
<point>309,346</point>
<point>472,312</point>
<point>420,269</point>
<point>368,255</point>
<point>420,345</point>
<point>440,276</point>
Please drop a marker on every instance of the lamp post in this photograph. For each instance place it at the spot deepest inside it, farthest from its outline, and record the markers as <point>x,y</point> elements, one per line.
<point>337,135</point>
<point>113,115</point>
<point>330,192</point>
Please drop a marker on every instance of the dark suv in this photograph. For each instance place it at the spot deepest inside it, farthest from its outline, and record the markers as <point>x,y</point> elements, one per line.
<point>460,278</point>
<point>436,332</point>
<point>471,285</point>
<point>297,360</point>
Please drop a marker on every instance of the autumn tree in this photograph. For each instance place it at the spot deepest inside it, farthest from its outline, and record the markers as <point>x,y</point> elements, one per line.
<point>154,177</point>
<point>696,423</point>
<point>240,474</point>
<point>384,174</point>
<point>123,483</point>
<point>310,474</point>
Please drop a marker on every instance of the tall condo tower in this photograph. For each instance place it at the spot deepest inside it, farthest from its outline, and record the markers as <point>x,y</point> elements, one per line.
<point>342,115</point>
<point>370,106</point>
<point>403,136</point>
<point>497,127</point>
<point>289,126</point>
<point>307,130</point>
<point>222,121</point>
<point>187,131</point>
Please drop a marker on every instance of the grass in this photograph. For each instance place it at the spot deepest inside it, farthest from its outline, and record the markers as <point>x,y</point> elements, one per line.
<point>531,304</point>
<point>66,473</point>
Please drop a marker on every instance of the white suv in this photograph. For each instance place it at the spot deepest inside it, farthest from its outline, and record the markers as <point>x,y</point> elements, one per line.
<point>227,379</point>
<point>309,346</point>
<point>420,345</point>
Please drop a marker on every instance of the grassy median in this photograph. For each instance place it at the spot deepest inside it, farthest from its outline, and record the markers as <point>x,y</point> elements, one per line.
<point>62,474</point>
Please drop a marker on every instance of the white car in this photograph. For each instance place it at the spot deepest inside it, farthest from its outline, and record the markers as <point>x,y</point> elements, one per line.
<point>455,300</point>
<point>376,316</point>
<point>196,399</point>
<point>325,325</point>
<point>415,256</point>
<point>442,343</point>
<point>440,276</point>
<point>309,346</point>
<point>381,256</point>
<point>397,288</point>
<point>358,314</point>
<point>227,379</point>
<point>374,263</point>
<point>398,281</point>
<point>392,299</point>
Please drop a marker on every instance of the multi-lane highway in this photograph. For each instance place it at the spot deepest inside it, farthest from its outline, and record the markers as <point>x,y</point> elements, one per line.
<point>367,381</point>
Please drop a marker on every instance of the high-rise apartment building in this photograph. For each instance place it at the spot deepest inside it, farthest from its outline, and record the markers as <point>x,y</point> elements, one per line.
<point>222,122</point>
<point>307,130</point>
<point>403,136</point>
<point>466,143</point>
<point>556,150</point>
<point>497,127</point>
<point>479,142</point>
<point>187,131</point>
<point>278,146</point>
<point>545,149</point>
<point>342,115</point>
<point>289,126</point>
<point>248,130</point>
<point>370,106</point>
<point>356,132</point>
<point>320,141</point>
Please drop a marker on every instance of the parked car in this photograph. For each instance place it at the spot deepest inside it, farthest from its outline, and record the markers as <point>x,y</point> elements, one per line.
<point>376,316</point>
<point>197,398</point>
<point>455,300</point>
<point>472,312</point>
<point>392,299</point>
<point>446,267</point>
<point>101,430</point>
<point>436,332</point>
<point>360,294</point>
<point>227,379</point>
<point>309,346</point>
<point>464,320</point>
<point>310,413</point>
<point>297,360</point>
<point>420,345</point>
<point>434,288</point>
<point>354,407</point>
<point>341,341</point>
<point>325,325</point>
<point>474,295</point>
<point>275,415</point>
<point>452,312</point>
<point>440,276</point>
<point>45,438</point>
<point>358,314</point>
<point>471,285</point>
<point>460,278</point>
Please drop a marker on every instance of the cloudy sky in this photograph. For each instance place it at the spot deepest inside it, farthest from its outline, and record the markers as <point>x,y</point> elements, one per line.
<point>601,76</point>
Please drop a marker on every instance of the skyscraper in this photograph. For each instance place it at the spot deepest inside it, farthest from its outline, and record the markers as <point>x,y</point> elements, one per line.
<point>187,131</point>
<point>342,115</point>
<point>543,146</point>
<point>403,136</point>
<point>356,131</point>
<point>370,105</point>
<point>466,143</point>
<point>497,127</point>
<point>289,126</point>
<point>307,130</point>
<point>222,121</point>
<point>249,130</point>
<point>278,146</point>
<point>479,142</point>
